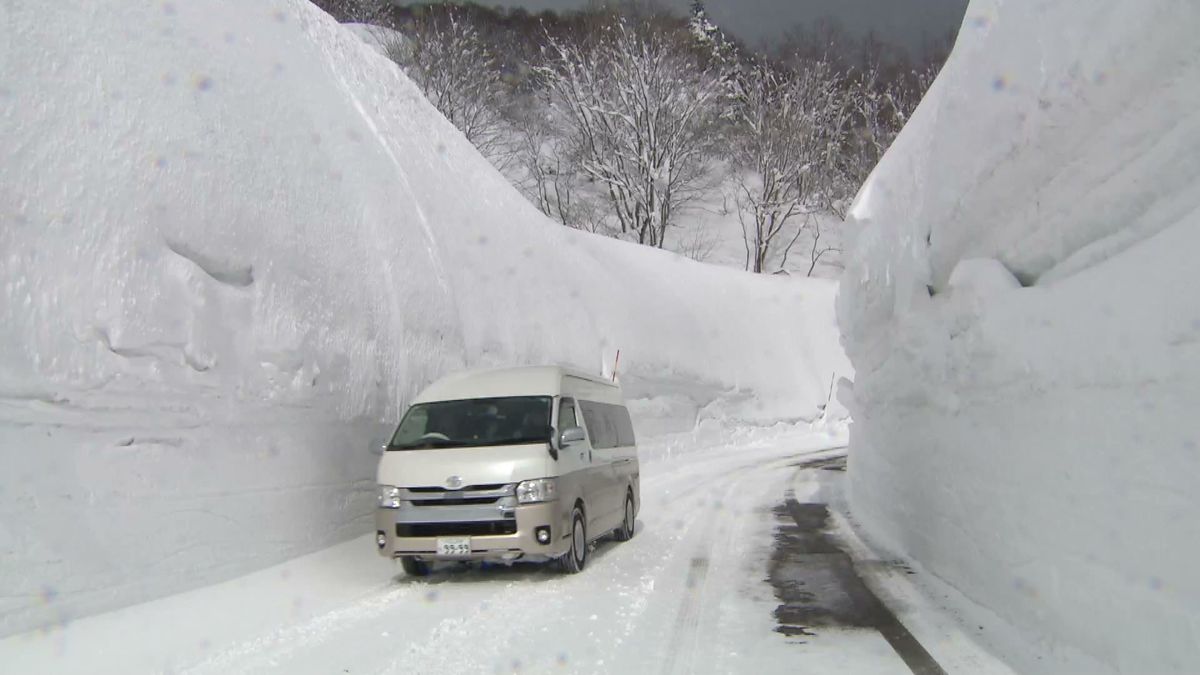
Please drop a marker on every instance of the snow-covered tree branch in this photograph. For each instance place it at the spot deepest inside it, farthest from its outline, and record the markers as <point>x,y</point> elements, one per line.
<point>456,69</point>
<point>358,11</point>
<point>547,166</point>
<point>786,140</point>
<point>639,110</point>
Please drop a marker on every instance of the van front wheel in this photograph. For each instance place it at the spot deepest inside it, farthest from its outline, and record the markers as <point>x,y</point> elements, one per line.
<point>413,567</point>
<point>576,557</point>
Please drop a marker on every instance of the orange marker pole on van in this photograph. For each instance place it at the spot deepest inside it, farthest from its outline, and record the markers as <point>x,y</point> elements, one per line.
<point>616,362</point>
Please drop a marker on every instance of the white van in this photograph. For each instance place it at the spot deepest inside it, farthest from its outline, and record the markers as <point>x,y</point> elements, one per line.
<point>524,463</point>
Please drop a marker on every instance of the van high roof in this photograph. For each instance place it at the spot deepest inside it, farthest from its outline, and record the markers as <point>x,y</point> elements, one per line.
<point>523,381</point>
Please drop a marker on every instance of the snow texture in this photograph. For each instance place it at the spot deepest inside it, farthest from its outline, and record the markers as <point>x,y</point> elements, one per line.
<point>685,595</point>
<point>1034,445</point>
<point>235,241</point>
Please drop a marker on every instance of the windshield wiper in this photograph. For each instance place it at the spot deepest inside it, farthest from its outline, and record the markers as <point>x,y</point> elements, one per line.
<point>511,441</point>
<point>427,443</point>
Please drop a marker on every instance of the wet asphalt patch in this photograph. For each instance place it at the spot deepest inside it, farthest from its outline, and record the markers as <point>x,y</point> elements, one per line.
<point>818,586</point>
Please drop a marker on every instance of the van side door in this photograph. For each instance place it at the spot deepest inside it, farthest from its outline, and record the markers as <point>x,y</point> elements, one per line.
<point>607,497</point>
<point>625,459</point>
<point>574,461</point>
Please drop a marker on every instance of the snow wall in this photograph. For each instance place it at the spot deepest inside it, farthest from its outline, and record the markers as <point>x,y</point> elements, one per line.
<point>1021,311</point>
<point>235,240</point>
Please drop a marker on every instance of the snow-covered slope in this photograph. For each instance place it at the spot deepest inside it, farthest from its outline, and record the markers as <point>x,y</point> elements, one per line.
<point>234,241</point>
<point>1034,444</point>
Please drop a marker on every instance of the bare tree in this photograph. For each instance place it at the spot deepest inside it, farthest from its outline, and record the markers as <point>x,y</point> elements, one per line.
<point>358,11</point>
<point>817,248</point>
<point>638,107</point>
<point>787,139</point>
<point>549,175</point>
<point>905,92</point>
<point>455,68</point>
<point>699,244</point>
<point>881,105</point>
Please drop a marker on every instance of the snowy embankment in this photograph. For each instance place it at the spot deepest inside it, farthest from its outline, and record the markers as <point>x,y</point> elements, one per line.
<point>235,241</point>
<point>1034,444</point>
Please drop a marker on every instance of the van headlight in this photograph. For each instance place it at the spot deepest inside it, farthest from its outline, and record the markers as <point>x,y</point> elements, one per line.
<point>389,497</point>
<point>539,490</point>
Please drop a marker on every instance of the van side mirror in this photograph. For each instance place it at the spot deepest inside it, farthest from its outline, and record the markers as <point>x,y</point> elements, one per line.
<point>378,445</point>
<point>570,435</point>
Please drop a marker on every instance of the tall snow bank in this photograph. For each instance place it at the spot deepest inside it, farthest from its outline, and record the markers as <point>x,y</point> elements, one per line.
<point>235,240</point>
<point>1036,446</point>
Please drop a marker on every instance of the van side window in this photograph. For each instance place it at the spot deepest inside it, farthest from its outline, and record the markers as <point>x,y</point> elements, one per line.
<point>624,425</point>
<point>566,415</point>
<point>608,425</point>
<point>597,425</point>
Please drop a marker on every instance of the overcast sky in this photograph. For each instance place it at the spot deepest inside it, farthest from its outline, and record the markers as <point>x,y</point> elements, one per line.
<point>906,23</point>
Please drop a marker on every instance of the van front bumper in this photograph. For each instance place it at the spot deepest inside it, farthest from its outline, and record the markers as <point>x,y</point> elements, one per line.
<point>415,532</point>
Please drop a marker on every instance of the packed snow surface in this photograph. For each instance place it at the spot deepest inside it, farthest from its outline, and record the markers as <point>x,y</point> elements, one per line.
<point>235,241</point>
<point>1034,444</point>
<point>685,595</point>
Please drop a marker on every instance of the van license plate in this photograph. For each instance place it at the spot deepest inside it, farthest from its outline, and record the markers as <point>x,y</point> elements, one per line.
<point>454,546</point>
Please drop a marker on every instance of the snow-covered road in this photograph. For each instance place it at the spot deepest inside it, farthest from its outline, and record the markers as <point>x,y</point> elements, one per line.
<point>687,594</point>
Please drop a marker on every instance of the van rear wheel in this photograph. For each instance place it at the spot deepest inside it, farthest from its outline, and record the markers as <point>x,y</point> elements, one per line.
<point>414,568</point>
<point>575,559</point>
<point>628,524</point>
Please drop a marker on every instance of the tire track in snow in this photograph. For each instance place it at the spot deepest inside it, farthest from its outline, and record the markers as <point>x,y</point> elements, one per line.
<point>442,651</point>
<point>628,573</point>
<point>687,625</point>
<point>620,615</point>
<point>699,609</point>
<point>255,654</point>
<point>558,601</point>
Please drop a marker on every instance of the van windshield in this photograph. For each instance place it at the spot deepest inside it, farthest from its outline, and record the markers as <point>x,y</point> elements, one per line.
<point>474,422</point>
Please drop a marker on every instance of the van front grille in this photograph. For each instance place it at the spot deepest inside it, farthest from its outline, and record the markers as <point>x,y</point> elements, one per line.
<point>480,529</point>
<point>469,488</point>
<point>462,501</point>
<point>475,495</point>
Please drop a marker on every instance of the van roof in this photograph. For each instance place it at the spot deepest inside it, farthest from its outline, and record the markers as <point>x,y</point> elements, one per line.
<point>522,381</point>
